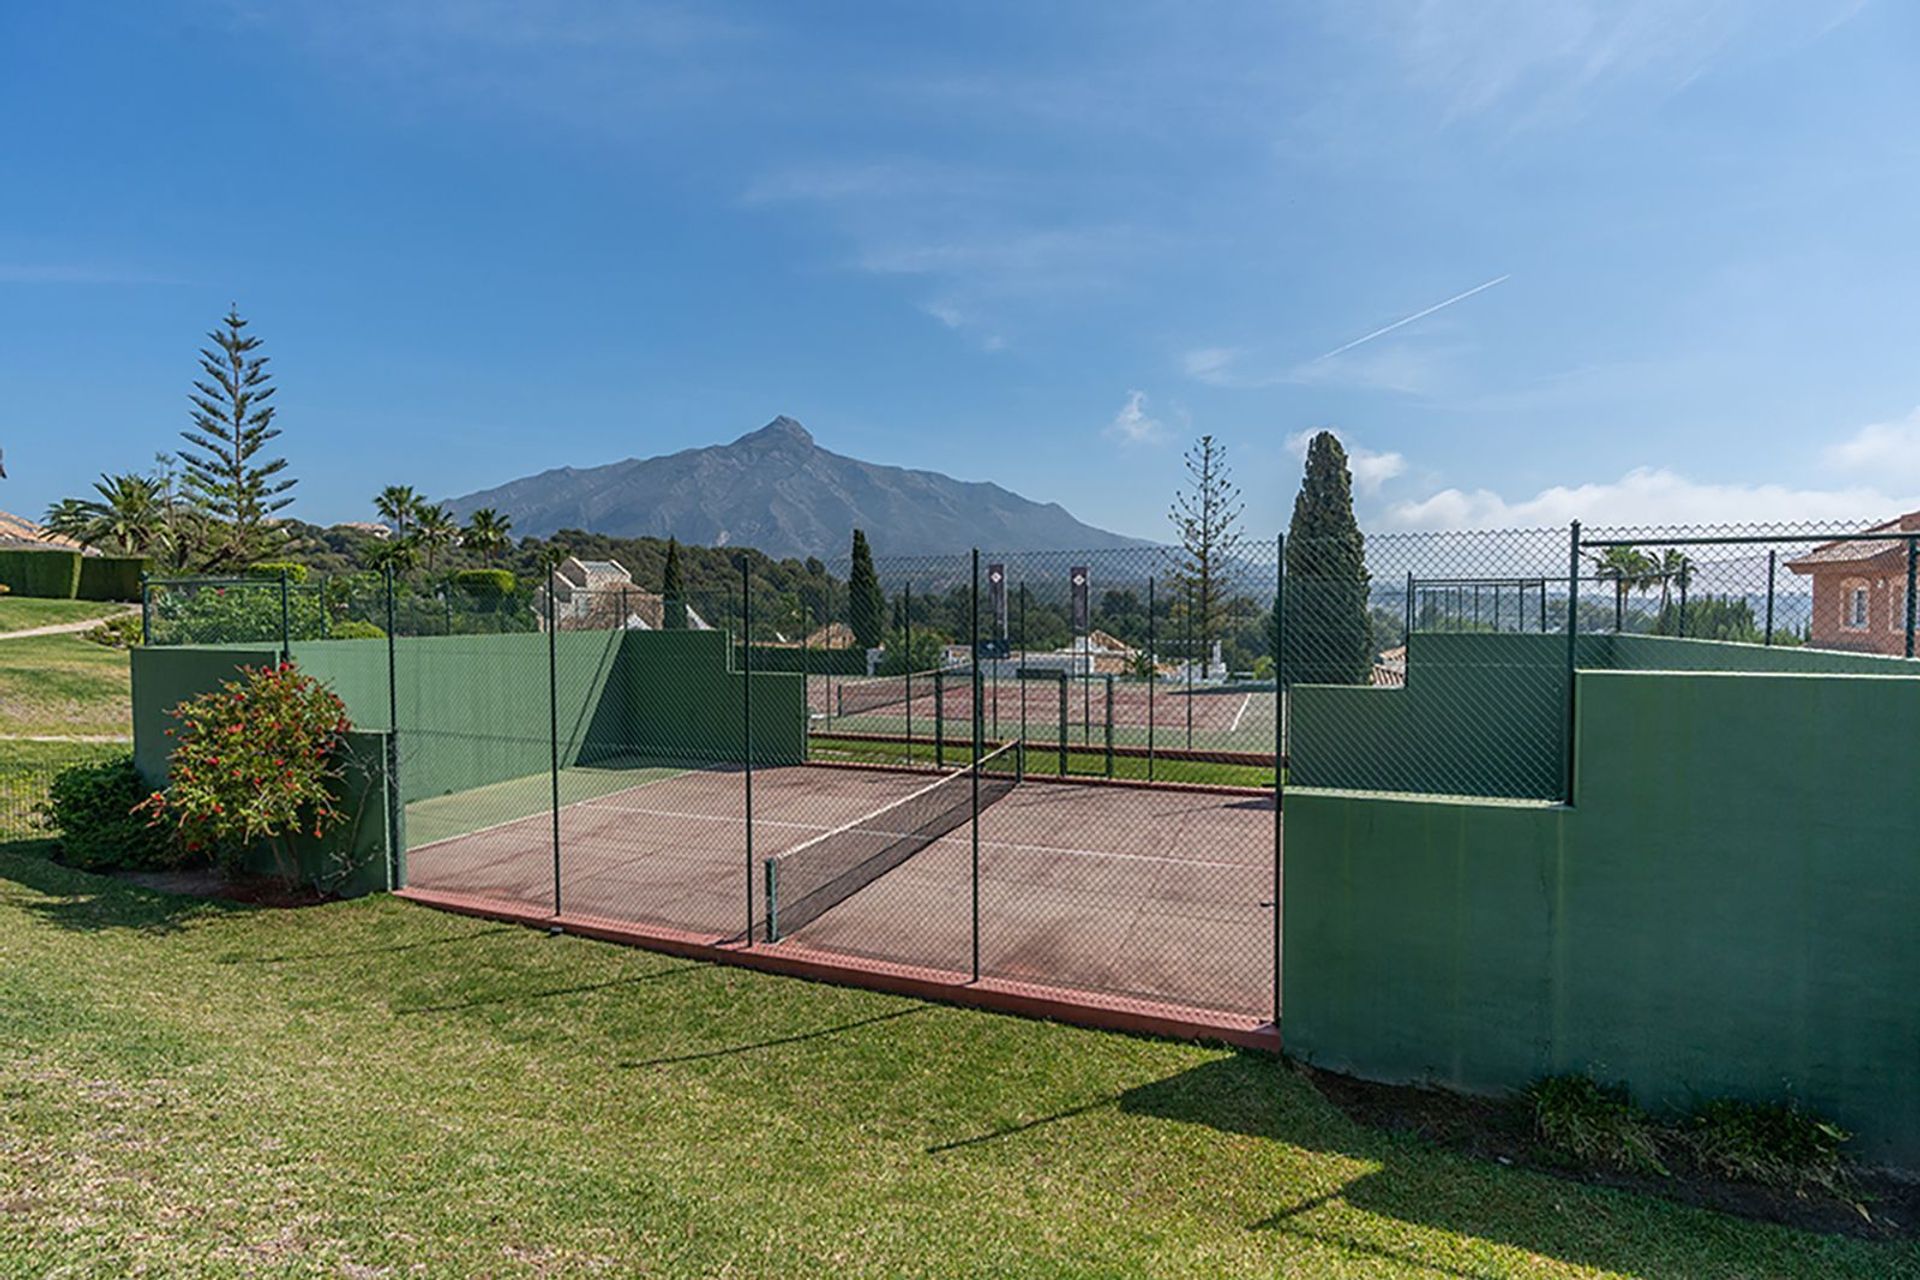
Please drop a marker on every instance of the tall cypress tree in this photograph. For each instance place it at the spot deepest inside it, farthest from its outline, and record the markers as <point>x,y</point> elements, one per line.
<point>866,603</point>
<point>238,490</point>
<point>1329,635</point>
<point>672,591</point>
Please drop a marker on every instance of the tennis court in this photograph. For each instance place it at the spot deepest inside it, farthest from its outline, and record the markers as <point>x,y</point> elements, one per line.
<point>1150,893</point>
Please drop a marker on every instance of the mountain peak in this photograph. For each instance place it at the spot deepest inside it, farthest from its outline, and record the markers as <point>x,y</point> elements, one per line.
<point>780,429</point>
<point>778,491</point>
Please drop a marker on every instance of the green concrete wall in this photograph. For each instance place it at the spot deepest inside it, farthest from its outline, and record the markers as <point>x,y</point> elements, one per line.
<point>165,677</point>
<point>1671,653</point>
<point>1726,910</point>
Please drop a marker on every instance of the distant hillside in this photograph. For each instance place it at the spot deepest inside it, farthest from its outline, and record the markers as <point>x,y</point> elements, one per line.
<point>778,491</point>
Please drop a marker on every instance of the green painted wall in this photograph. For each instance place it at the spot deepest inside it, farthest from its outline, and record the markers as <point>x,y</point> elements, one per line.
<point>1727,909</point>
<point>1670,653</point>
<point>162,679</point>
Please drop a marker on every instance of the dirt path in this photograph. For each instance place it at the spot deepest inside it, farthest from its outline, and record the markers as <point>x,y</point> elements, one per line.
<point>61,628</point>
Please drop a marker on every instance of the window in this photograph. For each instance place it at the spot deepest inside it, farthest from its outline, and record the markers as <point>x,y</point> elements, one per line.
<point>1896,606</point>
<point>1856,606</point>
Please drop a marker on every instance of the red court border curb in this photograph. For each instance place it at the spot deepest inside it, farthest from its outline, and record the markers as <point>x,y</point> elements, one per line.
<point>1058,1004</point>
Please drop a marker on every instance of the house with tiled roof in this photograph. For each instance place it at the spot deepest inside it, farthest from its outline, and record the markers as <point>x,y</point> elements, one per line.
<point>17,533</point>
<point>1860,589</point>
<point>600,595</point>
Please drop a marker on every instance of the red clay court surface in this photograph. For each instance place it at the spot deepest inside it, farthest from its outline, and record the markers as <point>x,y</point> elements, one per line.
<point>1099,895</point>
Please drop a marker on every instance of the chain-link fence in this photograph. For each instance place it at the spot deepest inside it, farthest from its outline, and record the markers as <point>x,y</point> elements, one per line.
<point>27,771</point>
<point>1061,770</point>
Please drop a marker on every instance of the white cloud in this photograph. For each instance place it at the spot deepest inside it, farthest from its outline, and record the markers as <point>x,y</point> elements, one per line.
<point>1370,468</point>
<point>1883,452</point>
<point>1134,425</point>
<point>1645,496</point>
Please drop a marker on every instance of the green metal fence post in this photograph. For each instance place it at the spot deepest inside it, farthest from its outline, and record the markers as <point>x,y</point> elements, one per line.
<point>978,727</point>
<point>146,611</point>
<point>553,732</point>
<point>1064,732</point>
<point>1279,739</point>
<point>939,717</point>
<point>1109,725</point>
<point>907,661</point>
<point>286,619</point>
<point>1772,569</point>
<point>1573,637</point>
<point>396,830</point>
<point>746,717</point>
<point>1153,676</point>
<point>1912,544</point>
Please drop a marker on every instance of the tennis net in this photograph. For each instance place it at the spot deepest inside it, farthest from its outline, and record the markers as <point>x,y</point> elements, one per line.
<point>885,691</point>
<point>811,879</point>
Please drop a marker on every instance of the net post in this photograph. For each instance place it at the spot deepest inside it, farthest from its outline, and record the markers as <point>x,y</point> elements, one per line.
<point>773,900</point>
<point>553,730</point>
<point>1772,571</point>
<point>1913,551</point>
<point>1109,725</point>
<point>746,717</point>
<point>974,610</point>
<point>1573,639</point>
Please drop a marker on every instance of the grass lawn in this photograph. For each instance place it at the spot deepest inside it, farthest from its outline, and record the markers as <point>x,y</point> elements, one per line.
<point>372,1089</point>
<point>63,684</point>
<point>19,613</point>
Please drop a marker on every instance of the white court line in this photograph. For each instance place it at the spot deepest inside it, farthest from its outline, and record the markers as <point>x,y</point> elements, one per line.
<point>542,813</point>
<point>1240,715</point>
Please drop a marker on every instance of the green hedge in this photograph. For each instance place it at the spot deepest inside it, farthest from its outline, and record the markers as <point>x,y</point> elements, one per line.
<point>111,577</point>
<point>484,584</point>
<point>50,575</point>
<point>295,572</point>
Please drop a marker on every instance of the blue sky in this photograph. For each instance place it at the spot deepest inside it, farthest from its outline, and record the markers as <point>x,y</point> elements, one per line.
<point>1045,245</point>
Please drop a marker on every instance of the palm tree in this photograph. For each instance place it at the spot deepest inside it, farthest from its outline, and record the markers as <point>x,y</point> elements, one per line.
<point>397,554</point>
<point>487,532</point>
<point>1629,569</point>
<point>128,516</point>
<point>434,530</point>
<point>1674,567</point>
<point>398,504</point>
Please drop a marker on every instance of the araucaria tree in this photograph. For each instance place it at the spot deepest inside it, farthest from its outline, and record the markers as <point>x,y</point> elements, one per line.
<point>866,603</point>
<point>1207,516</point>
<point>227,476</point>
<point>1329,635</point>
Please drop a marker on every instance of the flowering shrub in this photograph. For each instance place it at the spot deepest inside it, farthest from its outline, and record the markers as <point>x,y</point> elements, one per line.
<point>254,764</point>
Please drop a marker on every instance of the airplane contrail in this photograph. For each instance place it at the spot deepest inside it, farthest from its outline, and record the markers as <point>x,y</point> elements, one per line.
<point>1458,297</point>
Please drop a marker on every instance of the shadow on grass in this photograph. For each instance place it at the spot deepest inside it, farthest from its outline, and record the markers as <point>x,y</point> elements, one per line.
<point>82,902</point>
<point>776,1042</point>
<point>455,1006</point>
<point>350,953</point>
<point>1253,1095</point>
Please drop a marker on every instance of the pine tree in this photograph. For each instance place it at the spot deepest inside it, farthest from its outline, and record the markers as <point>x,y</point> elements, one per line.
<point>866,603</point>
<point>672,591</point>
<point>1329,635</point>
<point>226,477</point>
<point>1207,515</point>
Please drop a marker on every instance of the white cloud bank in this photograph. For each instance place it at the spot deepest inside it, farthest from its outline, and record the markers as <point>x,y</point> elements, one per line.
<point>1876,475</point>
